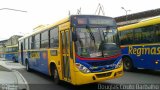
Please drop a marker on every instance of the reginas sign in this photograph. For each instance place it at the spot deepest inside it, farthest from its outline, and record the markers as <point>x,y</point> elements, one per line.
<point>144,50</point>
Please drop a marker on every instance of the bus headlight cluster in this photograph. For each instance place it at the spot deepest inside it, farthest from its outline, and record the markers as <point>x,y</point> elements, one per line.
<point>82,68</point>
<point>119,64</point>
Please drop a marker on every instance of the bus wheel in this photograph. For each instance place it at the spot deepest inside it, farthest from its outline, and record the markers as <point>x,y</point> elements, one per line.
<point>13,59</point>
<point>56,76</point>
<point>127,64</point>
<point>27,67</point>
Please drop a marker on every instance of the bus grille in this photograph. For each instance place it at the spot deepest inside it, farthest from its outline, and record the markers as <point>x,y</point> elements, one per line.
<point>101,63</point>
<point>103,75</point>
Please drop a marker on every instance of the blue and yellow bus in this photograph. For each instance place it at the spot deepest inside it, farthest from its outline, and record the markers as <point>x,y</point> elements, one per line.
<point>2,49</point>
<point>140,44</point>
<point>79,49</point>
<point>11,53</point>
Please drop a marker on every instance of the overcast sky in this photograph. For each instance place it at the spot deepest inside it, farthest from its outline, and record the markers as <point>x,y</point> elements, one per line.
<point>50,11</point>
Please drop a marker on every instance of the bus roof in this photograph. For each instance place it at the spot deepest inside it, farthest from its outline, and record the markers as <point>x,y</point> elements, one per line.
<point>146,22</point>
<point>41,28</point>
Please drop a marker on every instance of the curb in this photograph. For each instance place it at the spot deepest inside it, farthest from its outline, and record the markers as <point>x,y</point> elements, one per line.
<point>22,83</point>
<point>2,68</point>
<point>3,64</point>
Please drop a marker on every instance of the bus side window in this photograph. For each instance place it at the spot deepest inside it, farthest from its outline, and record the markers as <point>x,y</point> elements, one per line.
<point>126,37</point>
<point>44,40</point>
<point>54,40</point>
<point>148,34</point>
<point>32,42</point>
<point>137,35</point>
<point>29,42</point>
<point>19,45</point>
<point>37,41</point>
<point>121,37</point>
<point>26,44</point>
<point>158,33</point>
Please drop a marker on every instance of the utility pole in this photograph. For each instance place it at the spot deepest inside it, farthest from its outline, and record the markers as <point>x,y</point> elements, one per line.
<point>126,11</point>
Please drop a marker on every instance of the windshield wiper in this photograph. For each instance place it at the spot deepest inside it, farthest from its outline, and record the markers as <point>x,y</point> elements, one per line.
<point>91,36</point>
<point>90,33</point>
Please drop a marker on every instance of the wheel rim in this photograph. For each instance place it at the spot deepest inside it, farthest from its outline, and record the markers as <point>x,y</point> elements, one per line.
<point>55,74</point>
<point>127,64</point>
<point>27,66</point>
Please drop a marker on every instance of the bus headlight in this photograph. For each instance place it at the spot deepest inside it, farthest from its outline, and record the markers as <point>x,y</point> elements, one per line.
<point>119,64</point>
<point>82,68</point>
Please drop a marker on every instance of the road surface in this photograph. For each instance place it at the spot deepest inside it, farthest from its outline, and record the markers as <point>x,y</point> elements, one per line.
<point>130,80</point>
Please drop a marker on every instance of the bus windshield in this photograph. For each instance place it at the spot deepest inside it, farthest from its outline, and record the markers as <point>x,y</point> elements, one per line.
<point>96,42</point>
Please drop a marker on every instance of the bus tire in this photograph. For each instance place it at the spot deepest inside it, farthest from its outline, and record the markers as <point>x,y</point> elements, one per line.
<point>55,75</point>
<point>127,64</point>
<point>13,59</point>
<point>27,66</point>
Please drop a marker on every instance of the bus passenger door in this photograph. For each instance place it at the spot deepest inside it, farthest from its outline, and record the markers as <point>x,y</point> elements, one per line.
<point>65,55</point>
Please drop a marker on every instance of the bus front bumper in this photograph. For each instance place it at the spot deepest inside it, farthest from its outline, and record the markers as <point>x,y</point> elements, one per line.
<point>82,78</point>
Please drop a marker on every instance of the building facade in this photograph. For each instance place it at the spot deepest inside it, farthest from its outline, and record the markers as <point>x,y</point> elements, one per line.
<point>13,40</point>
<point>136,17</point>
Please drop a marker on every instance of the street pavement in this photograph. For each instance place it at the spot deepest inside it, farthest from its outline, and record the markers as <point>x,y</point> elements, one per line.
<point>11,79</point>
<point>130,81</point>
<point>140,76</point>
<point>39,81</point>
<point>10,64</point>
